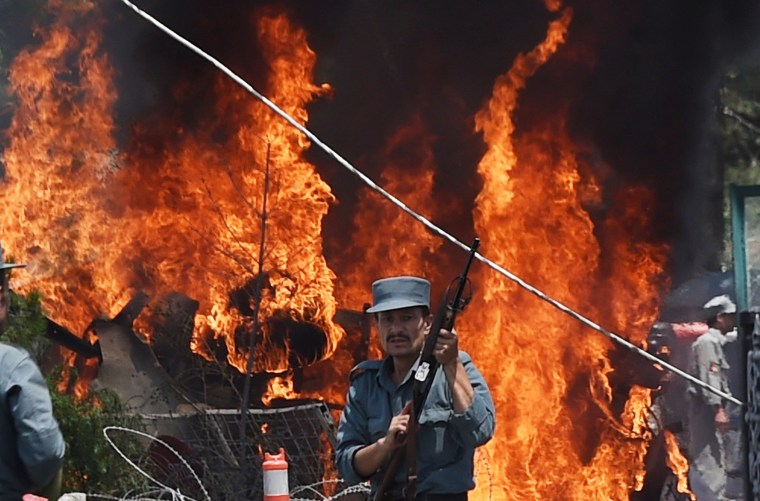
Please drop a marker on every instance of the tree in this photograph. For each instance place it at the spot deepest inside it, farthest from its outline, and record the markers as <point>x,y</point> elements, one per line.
<point>740,132</point>
<point>740,145</point>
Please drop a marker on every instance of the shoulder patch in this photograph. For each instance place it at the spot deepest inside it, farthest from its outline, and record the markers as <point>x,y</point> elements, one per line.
<point>367,365</point>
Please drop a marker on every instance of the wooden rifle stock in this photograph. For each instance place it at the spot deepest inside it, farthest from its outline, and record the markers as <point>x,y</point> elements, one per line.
<point>444,318</point>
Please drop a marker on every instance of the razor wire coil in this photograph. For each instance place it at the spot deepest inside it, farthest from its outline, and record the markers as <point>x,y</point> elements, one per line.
<point>310,492</point>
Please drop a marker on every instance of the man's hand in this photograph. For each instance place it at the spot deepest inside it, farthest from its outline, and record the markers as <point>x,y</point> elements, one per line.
<point>371,458</point>
<point>721,420</point>
<point>397,431</point>
<point>446,347</point>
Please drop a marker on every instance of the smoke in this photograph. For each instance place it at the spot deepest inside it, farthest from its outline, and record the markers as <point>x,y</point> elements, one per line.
<point>650,105</point>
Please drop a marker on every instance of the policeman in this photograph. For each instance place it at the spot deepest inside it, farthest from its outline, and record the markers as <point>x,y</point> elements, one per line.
<point>31,444</point>
<point>458,415</point>
<point>709,419</point>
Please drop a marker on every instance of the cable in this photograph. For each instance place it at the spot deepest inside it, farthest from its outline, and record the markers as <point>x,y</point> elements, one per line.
<point>424,221</point>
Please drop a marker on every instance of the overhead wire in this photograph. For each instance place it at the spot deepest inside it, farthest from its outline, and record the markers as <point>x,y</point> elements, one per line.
<point>424,221</point>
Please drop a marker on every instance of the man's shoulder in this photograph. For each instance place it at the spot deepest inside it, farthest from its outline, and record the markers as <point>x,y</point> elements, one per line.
<point>712,336</point>
<point>365,367</point>
<point>11,355</point>
<point>464,357</point>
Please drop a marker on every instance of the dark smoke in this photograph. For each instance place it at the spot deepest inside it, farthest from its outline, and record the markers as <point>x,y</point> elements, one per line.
<point>650,107</point>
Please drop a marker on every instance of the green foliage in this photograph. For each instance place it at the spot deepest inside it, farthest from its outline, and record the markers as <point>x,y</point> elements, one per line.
<point>91,465</point>
<point>740,133</point>
<point>740,143</point>
<point>27,325</point>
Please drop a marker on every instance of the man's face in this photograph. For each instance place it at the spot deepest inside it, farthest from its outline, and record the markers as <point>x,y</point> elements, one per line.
<point>726,322</point>
<point>402,332</point>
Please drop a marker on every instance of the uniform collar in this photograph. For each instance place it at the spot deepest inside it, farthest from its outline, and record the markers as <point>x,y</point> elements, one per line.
<point>386,370</point>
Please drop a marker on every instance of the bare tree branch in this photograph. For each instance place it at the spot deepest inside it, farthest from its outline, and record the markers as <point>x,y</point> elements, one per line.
<point>743,120</point>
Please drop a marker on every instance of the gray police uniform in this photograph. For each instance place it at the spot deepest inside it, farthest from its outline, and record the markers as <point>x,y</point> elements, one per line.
<point>446,441</point>
<point>31,444</point>
<point>708,363</point>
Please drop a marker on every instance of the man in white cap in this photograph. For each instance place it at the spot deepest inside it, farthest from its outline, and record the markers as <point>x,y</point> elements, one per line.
<point>458,415</point>
<point>31,444</point>
<point>709,419</point>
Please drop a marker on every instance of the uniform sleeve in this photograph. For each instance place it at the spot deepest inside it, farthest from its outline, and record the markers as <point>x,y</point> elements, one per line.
<point>39,440</point>
<point>476,425</point>
<point>353,434</point>
<point>707,366</point>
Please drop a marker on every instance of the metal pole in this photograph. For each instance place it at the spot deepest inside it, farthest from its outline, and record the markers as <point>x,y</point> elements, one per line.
<point>745,325</point>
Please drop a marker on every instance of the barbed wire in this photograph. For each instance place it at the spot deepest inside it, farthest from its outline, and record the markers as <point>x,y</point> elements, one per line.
<point>176,494</point>
<point>362,488</point>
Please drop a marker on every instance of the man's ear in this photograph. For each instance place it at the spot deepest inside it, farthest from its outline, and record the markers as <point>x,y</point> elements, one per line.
<point>428,321</point>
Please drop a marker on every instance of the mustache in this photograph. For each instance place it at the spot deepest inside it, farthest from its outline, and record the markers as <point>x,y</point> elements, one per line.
<point>393,337</point>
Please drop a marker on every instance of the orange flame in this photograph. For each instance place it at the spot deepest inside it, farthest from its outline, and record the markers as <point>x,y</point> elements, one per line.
<point>58,162</point>
<point>401,247</point>
<point>278,387</point>
<point>330,474</point>
<point>678,464</point>
<point>550,377</point>
<point>98,225</point>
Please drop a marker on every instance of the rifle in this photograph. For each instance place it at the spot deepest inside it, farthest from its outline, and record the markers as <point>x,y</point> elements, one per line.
<point>424,375</point>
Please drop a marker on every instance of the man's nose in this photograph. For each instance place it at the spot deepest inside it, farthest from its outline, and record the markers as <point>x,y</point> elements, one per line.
<point>394,326</point>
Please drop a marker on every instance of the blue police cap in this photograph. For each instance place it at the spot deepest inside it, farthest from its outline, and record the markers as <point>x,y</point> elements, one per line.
<point>395,293</point>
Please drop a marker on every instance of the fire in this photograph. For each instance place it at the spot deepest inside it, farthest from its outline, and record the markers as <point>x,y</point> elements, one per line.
<point>331,472</point>
<point>678,464</point>
<point>278,387</point>
<point>395,244</point>
<point>551,377</point>
<point>58,162</point>
<point>99,225</point>
<point>220,186</point>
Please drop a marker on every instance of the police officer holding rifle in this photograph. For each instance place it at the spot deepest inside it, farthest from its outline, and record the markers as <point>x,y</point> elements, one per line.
<point>408,427</point>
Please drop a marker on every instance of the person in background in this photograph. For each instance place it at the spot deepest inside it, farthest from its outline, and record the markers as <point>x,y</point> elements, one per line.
<point>31,444</point>
<point>708,416</point>
<point>458,415</point>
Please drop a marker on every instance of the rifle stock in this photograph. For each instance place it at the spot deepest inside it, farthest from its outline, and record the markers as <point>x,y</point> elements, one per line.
<point>444,318</point>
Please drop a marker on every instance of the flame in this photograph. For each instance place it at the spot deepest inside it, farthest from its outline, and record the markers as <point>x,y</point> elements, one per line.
<point>57,161</point>
<point>330,476</point>
<point>396,245</point>
<point>550,377</point>
<point>634,418</point>
<point>297,286</point>
<point>400,247</point>
<point>678,464</point>
<point>278,387</point>
<point>98,224</point>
